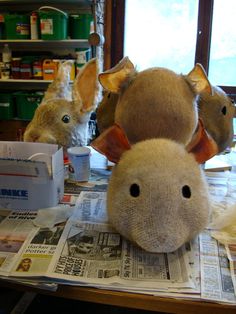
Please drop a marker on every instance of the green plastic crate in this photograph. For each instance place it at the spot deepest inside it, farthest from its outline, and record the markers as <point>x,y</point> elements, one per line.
<point>27,103</point>
<point>6,106</point>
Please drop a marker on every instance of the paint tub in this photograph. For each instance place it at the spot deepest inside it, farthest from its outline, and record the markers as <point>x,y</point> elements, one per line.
<point>53,23</point>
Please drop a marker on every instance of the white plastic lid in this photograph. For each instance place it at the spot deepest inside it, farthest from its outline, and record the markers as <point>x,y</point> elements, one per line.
<point>78,151</point>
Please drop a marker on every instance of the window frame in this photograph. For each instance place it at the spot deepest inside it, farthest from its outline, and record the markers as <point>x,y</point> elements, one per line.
<point>114,46</point>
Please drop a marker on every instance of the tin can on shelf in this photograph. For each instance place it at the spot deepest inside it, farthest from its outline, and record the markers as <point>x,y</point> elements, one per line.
<point>38,70</point>
<point>15,68</point>
<point>25,69</point>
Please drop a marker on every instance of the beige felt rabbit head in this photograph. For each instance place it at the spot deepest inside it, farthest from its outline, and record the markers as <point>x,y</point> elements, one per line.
<point>153,103</point>
<point>157,194</point>
<point>62,117</point>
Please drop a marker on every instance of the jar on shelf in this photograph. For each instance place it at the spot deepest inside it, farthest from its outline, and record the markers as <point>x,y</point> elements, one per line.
<point>38,69</point>
<point>15,68</point>
<point>26,69</point>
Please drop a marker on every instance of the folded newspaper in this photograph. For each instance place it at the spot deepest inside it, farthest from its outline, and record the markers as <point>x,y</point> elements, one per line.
<point>86,251</point>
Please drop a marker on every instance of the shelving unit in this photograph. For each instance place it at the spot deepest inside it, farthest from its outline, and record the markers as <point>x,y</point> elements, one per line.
<point>8,128</point>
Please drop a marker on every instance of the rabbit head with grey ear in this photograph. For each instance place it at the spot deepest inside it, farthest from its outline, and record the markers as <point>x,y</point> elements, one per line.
<point>63,115</point>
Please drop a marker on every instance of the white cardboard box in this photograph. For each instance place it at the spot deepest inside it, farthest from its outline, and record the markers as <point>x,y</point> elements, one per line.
<point>31,175</point>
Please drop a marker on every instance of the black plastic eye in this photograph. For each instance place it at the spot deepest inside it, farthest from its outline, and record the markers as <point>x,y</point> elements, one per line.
<point>134,190</point>
<point>186,191</point>
<point>224,110</point>
<point>65,118</point>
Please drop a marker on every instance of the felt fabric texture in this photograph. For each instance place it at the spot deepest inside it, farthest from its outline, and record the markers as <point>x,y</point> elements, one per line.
<point>158,196</point>
<point>217,112</point>
<point>157,103</point>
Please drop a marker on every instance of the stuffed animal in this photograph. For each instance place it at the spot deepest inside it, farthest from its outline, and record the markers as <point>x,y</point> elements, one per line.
<point>105,112</point>
<point>217,112</point>
<point>155,102</point>
<point>62,117</point>
<point>157,194</point>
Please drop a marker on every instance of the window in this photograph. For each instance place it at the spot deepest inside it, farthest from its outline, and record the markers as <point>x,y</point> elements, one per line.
<point>177,34</point>
<point>161,33</point>
<point>222,65</point>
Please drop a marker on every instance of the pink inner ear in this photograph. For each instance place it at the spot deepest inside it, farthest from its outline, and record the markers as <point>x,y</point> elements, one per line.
<point>112,143</point>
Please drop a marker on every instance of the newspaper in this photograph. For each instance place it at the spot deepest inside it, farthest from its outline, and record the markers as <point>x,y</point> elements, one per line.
<point>231,253</point>
<point>94,253</point>
<point>87,251</point>
<point>216,280</point>
<point>16,228</point>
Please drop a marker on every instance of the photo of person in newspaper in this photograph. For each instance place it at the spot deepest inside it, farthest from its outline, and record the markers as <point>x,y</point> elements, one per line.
<point>24,264</point>
<point>108,273</point>
<point>111,251</point>
<point>80,244</point>
<point>89,245</point>
<point>48,236</point>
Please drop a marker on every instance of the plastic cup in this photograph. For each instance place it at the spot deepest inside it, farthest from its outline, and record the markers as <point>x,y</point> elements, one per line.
<point>80,161</point>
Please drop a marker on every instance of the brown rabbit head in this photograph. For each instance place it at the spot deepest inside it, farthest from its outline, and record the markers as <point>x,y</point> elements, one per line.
<point>62,121</point>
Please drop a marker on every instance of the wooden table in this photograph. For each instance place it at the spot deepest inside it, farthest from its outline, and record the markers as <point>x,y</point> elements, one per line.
<point>130,300</point>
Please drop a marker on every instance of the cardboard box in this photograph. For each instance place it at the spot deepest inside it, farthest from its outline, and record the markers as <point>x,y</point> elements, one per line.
<point>31,175</point>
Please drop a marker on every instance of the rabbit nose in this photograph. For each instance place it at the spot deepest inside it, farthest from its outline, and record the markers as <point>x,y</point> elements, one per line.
<point>34,137</point>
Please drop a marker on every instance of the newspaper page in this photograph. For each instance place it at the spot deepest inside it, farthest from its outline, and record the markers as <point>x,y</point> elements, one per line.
<point>91,252</point>
<point>216,281</point>
<point>38,251</point>
<point>15,229</point>
<point>231,253</point>
<point>91,206</point>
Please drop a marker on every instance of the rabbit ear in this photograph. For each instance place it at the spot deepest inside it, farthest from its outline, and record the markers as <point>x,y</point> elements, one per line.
<point>203,147</point>
<point>60,88</point>
<point>112,79</point>
<point>198,79</point>
<point>85,87</point>
<point>112,143</point>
